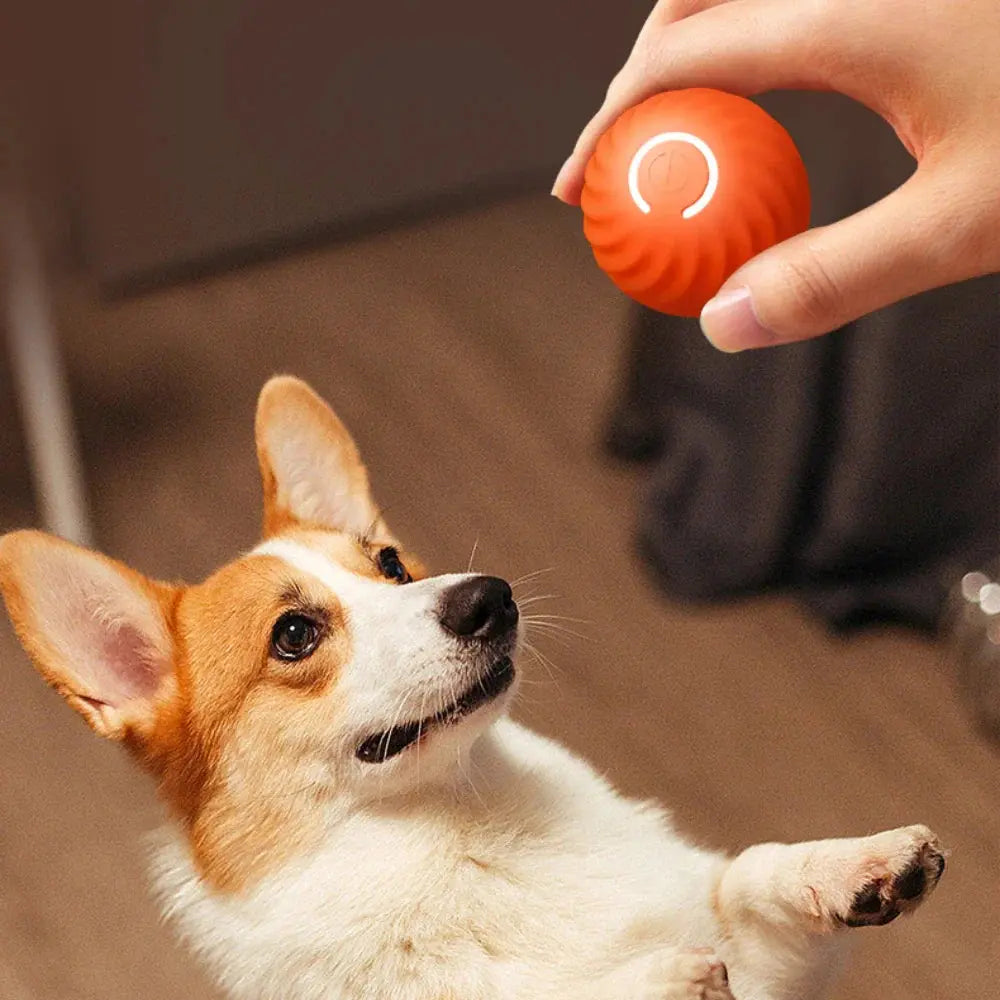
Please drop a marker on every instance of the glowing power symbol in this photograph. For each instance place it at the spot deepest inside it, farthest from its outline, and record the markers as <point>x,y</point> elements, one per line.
<point>658,140</point>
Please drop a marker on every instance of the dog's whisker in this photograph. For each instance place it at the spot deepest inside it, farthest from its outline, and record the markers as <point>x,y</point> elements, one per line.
<point>467,776</point>
<point>558,623</point>
<point>563,642</point>
<point>550,668</point>
<point>420,728</point>
<point>538,616</point>
<point>549,665</point>
<point>558,632</point>
<point>472,555</point>
<point>555,623</point>
<point>528,682</point>
<point>387,736</point>
<point>530,576</point>
<point>525,602</point>
<point>537,700</point>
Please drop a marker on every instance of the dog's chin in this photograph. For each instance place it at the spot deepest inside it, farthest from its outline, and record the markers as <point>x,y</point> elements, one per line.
<point>483,700</point>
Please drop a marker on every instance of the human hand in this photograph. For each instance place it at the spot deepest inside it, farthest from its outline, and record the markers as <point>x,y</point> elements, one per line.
<point>930,67</point>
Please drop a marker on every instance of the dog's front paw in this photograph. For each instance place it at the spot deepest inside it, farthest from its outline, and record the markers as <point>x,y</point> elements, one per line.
<point>697,974</point>
<point>901,870</point>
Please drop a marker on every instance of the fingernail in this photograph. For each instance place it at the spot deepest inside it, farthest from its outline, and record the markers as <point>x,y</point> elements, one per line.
<point>731,324</point>
<point>560,177</point>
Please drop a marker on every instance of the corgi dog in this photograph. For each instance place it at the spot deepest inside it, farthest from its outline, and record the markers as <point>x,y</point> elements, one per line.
<point>352,816</point>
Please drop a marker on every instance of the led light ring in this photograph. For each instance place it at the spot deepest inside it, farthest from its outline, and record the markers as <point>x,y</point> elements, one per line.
<point>658,140</point>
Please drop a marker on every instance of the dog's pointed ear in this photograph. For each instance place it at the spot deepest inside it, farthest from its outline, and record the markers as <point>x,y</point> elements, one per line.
<point>310,467</point>
<point>97,631</point>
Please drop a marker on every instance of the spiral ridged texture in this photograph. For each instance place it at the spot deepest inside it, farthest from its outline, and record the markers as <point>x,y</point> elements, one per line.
<point>759,195</point>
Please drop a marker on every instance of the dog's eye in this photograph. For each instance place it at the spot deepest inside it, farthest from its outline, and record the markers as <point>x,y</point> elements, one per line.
<point>390,566</point>
<point>294,637</point>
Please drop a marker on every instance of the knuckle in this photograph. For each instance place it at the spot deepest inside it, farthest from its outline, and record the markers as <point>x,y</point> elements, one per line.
<point>955,218</point>
<point>645,67</point>
<point>815,296</point>
<point>617,85</point>
<point>648,56</point>
<point>668,11</point>
<point>968,235</point>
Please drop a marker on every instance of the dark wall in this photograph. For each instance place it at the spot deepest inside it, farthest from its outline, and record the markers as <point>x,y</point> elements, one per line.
<point>201,128</point>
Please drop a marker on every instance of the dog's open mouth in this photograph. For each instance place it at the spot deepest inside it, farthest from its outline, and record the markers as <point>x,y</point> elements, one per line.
<point>382,746</point>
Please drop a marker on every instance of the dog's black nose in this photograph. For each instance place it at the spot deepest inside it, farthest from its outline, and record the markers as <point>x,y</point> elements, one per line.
<point>482,606</point>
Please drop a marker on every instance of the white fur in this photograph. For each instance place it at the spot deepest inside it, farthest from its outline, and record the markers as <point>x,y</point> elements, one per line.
<point>526,878</point>
<point>403,665</point>
<point>480,861</point>
<point>515,872</point>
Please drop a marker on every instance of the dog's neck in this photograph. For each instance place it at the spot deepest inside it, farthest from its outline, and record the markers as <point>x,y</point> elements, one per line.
<point>498,784</point>
<point>502,782</point>
<point>380,859</point>
<point>498,861</point>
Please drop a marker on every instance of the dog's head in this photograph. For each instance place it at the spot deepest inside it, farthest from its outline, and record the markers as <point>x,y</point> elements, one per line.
<point>321,671</point>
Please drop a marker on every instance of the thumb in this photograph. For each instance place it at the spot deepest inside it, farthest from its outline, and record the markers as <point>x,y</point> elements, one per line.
<point>914,239</point>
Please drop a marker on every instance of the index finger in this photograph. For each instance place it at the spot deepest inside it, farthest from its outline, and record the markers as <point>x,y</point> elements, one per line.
<point>743,46</point>
<point>622,91</point>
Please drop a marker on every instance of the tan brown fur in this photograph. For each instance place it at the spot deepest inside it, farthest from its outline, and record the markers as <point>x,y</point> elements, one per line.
<point>285,400</point>
<point>226,732</point>
<point>251,717</point>
<point>247,714</point>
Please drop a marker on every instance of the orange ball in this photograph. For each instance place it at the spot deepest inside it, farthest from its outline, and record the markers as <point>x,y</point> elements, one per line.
<point>685,188</point>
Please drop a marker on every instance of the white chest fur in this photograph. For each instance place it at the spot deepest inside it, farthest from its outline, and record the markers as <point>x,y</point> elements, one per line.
<point>533,879</point>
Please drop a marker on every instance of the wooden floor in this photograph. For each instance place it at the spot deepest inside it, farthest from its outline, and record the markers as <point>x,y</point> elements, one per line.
<point>473,358</point>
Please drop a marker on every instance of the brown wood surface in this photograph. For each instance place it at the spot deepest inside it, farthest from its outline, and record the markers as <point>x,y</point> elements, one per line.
<point>473,358</point>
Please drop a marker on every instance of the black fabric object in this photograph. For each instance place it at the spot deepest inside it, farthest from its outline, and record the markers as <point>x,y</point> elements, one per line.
<point>860,471</point>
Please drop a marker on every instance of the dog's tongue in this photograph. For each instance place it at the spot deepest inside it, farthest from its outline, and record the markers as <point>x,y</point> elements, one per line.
<point>380,747</point>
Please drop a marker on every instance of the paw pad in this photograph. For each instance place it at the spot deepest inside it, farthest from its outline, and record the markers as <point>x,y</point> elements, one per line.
<point>881,900</point>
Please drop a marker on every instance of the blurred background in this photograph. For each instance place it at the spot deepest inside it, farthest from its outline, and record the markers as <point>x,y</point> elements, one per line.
<point>755,551</point>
